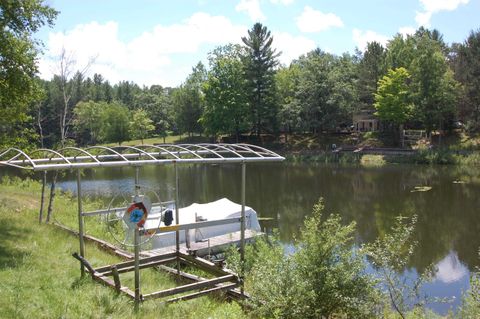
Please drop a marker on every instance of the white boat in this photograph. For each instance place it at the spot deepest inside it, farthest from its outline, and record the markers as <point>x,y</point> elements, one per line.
<point>217,210</point>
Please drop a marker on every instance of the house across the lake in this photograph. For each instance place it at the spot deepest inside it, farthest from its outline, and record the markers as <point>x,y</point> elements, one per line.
<point>365,121</point>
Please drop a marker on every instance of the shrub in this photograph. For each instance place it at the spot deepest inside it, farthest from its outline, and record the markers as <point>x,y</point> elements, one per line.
<point>324,276</point>
<point>390,254</point>
<point>470,308</point>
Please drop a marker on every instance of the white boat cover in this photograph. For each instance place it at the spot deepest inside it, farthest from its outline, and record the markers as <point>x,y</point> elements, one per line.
<point>220,209</point>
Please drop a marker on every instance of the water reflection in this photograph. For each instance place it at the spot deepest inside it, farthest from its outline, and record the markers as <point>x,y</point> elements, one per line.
<point>448,223</point>
<point>450,269</point>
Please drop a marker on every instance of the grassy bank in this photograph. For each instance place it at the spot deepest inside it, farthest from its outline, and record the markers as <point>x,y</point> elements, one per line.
<point>40,279</point>
<point>439,157</point>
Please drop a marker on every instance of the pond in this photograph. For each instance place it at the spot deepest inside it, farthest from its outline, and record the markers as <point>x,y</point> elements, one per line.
<point>448,225</point>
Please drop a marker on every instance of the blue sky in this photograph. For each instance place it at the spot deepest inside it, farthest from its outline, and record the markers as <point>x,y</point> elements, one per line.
<point>158,42</point>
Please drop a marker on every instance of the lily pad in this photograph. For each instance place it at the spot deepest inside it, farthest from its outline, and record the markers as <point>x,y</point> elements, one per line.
<point>421,189</point>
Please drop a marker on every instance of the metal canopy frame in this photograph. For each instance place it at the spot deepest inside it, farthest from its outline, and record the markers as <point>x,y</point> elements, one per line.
<point>102,156</point>
<point>74,158</point>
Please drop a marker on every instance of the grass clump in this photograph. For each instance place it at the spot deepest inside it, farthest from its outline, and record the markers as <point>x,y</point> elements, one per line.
<point>373,160</point>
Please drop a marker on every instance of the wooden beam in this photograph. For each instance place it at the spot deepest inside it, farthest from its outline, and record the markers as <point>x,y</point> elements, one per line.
<point>102,279</point>
<point>205,264</point>
<point>203,292</point>
<point>141,266</point>
<point>99,242</point>
<point>116,278</point>
<point>188,287</point>
<point>84,262</point>
<point>108,282</point>
<point>142,261</point>
<point>234,293</point>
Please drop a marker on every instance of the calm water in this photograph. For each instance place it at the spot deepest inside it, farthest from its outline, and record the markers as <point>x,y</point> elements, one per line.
<point>448,229</point>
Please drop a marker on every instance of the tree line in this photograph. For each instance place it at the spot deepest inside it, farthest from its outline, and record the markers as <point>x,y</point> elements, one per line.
<point>417,81</point>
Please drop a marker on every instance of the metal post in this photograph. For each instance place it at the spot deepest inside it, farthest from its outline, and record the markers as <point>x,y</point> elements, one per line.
<point>242,227</point>
<point>137,180</point>
<point>136,244</point>
<point>80,221</point>
<point>137,267</point>
<point>177,216</point>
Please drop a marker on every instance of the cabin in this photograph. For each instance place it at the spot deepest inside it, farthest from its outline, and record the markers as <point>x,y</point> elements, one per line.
<point>365,121</point>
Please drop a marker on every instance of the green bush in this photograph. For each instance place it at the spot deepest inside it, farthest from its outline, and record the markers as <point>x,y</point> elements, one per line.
<point>470,308</point>
<point>324,276</point>
<point>390,255</point>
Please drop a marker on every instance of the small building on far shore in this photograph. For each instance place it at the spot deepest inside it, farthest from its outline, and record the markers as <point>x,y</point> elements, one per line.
<point>365,121</point>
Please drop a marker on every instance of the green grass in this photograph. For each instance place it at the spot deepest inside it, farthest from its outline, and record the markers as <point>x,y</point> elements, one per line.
<point>40,279</point>
<point>171,139</point>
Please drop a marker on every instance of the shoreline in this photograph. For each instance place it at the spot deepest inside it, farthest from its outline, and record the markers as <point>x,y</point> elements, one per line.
<point>420,157</point>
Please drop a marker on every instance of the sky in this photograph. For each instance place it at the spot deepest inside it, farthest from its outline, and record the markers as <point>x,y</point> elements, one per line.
<point>158,42</point>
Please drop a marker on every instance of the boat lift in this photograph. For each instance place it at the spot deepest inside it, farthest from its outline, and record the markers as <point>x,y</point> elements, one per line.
<point>77,159</point>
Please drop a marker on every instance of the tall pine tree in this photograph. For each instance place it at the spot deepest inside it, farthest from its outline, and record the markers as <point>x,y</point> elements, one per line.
<point>260,63</point>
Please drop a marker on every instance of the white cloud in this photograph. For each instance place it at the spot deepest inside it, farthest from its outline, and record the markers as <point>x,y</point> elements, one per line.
<point>291,47</point>
<point>315,21</point>
<point>362,38</point>
<point>441,5</point>
<point>252,8</point>
<point>284,2</point>
<point>433,6</point>
<point>423,18</point>
<point>405,31</point>
<point>150,58</point>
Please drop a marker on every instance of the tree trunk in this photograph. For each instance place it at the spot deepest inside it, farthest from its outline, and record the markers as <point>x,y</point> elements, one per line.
<point>52,197</point>
<point>401,135</point>
<point>440,131</point>
<point>42,198</point>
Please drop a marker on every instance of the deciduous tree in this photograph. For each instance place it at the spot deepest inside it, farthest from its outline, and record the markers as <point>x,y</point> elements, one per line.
<point>140,125</point>
<point>467,71</point>
<point>188,101</point>
<point>226,108</point>
<point>393,98</point>
<point>116,121</point>
<point>19,20</point>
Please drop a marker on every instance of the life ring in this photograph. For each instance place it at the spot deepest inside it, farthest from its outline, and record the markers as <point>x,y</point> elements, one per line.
<point>137,214</point>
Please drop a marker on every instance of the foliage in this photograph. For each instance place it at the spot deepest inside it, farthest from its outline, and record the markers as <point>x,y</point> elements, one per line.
<point>390,254</point>
<point>260,63</point>
<point>188,101</point>
<point>157,102</point>
<point>466,61</point>
<point>322,277</point>
<point>371,68</point>
<point>434,89</point>
<point>470,308</point>
<point>326,90</point>
<point>88,121</point>
<point>392,99</point>
<point>226,108</point>
<point>116,121</point>
<point>18,67</point>
<point>140,125</point>
<point>287,80</point>
<point>245,91</point>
